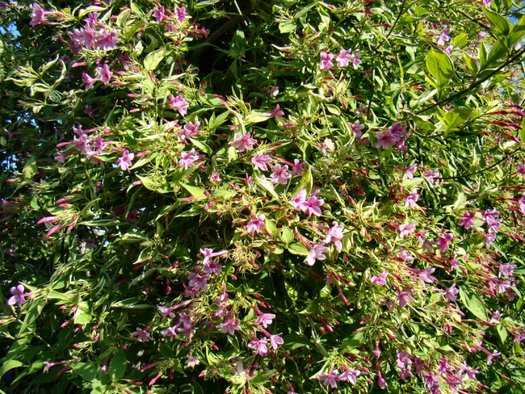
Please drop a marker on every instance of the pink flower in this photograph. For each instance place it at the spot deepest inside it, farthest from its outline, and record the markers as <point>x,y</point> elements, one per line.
<point>276,341</point>
<point>261,161</point>
<point>350,375</point>
<point>277,111</point>
<point>379,279</point>
<point>521,169</point>
<point>297,167</point>
<point>298,200</point>
<point>159,15</point>
<point>443,37</point>
<point>326,61</point>
<point>192,361</point>
<point>230,325</point>
<point>104,73</point>
<point>381,382</point>
<point>166,311</point>
<point>467,220</point>
<point>191,129</point>
<point>265,319</point>
<point>181,14</point>
<point>343,58</point>
<point>451,294</point>
<point>506,269</point>
<point>188,159</point>
<point>243,142</point>
<point>521,203</point>
<point>426,275</point>
<point>124,161</point>
<point>395,135</point>
<point>316,253</point>
<point>260,346</point>
<point>106,39</point>
<point>412,198</point>
<point>330,378</point>
<point>280,174</point>
<point>141,335</point>
<point>444,242</point>
<point>410,171</point>
<point>335,235</point>
<point>404,297</point>
<point>210,254</point>
<point>357,129</point>
<point>170,332</point>
<point>18,296</point>
<point>88,80</point>
<point>256,224</point>
<point>355,59</point>
<point>39,15</point>
<point>47,219</point>
<point>313,205</point>
<point>178,103</point>
<point>406,229</point>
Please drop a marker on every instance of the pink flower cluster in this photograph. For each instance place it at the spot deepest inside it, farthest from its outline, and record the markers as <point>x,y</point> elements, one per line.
<point>311,206</point>
<point>104,76</point>
<point>94,35</point>
<point>394,135</point>
<point>333,376</point>
<point>343,59</point>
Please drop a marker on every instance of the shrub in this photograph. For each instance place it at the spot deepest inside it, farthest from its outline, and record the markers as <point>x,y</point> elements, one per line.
<point>294,196</point>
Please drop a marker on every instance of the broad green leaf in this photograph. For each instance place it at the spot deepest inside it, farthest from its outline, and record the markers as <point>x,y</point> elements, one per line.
<point>353,342</point>
<point>517,32</point>
<point>153,59</point>
<point>473,304</point>
<point>197,192</point>
<point>30,169</point>
<point>256,117</point>
<point>500,24</point>
<point>9,365</point>
<point>287,235</point>
<point>502,332</point>
<point>117,365</point>
<point>267,185</point>
<point>298,249</point>
<point>87,371</point>
<point>439,66</point>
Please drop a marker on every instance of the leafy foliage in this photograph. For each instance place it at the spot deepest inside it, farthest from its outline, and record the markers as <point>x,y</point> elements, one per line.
<point>295,196</point>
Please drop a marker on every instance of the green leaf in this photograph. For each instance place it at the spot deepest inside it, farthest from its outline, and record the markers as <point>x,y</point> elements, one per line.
<point>439,66</point>
<point>82,317</point>
<point>306,182</point>
<point>287,235</point>
<point>197,192</point>
<point>9,365</point>
<point>298,249</point>
<point>473,304</point>
<point>87,371</point>
<point>287,26</point>
<point>153,59</point>
<point>30,169</point>
<point>256,117</point>
<point>155,183</point>
<point>502,332</point>
<point>353,342</point>
<point>266,184</point>
<point>500,24</point>
<point>117,365</point>
<point>517,32</point>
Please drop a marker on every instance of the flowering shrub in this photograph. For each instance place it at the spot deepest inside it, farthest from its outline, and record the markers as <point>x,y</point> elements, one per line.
<point>255,197</point>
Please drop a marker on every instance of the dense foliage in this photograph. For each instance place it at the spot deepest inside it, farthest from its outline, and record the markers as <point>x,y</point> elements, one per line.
<point>262,196</point>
